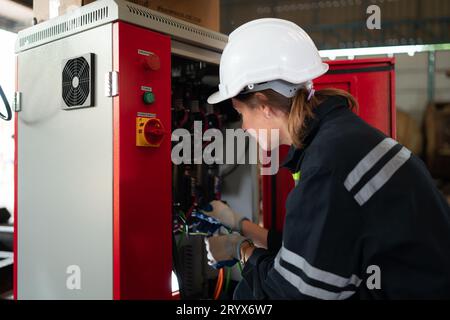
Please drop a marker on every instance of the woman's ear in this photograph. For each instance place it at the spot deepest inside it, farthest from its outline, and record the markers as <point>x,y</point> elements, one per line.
<point>263,105</point>
<point>267,111</point>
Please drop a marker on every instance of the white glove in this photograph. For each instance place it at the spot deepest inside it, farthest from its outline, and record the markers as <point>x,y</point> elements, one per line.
<point>224,249</point>
<point>225,215</point>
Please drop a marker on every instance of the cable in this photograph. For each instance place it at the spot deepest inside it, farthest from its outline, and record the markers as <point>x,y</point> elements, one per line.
<point>7,106</point>
<point>185,232</point>
<point>240,267</point>
<point>227,279</point>
<point>219,284</point>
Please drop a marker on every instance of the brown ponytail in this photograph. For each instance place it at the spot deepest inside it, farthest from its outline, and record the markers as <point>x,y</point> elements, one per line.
<point>299,109</point>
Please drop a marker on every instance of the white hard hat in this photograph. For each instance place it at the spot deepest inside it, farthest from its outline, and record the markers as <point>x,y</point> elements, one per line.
<point>262,52</point>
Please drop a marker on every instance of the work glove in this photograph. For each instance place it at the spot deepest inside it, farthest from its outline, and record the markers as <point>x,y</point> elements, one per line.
<point>223,213</point>
<point>224,250</point>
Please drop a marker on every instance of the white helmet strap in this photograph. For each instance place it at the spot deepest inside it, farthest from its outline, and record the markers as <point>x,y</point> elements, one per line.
<point>284,88</point>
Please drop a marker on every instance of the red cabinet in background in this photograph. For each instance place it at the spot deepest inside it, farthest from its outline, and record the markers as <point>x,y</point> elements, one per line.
<point>372,83</point>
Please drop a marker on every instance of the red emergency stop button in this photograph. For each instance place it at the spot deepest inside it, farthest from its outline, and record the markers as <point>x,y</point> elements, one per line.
<point>152,62</point>
<point>154,132</point>
<point>149,132</point>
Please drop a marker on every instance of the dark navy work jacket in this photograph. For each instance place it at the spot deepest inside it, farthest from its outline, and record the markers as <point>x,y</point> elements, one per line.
<point>365,220</point>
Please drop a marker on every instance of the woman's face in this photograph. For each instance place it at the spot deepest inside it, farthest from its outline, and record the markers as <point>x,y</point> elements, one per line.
<point>261,121</point>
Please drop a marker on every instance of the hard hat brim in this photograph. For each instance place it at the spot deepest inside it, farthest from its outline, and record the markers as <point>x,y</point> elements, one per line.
<point>217,97</point>
<point>313,73</point>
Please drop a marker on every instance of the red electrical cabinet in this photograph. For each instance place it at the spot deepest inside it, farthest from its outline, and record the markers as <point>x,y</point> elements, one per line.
<point>372,83</point>
<point>142,164</point>
<point>93,169</point>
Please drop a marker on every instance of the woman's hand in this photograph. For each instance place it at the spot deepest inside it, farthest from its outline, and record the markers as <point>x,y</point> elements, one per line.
<point>224,248</point>
<point>225,215</point>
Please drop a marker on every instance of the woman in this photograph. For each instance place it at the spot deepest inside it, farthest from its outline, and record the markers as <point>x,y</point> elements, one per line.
<point>365,219</point>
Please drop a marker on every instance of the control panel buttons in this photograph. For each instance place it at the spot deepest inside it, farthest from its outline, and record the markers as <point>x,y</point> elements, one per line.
<point>152,62</point>
<point>148,97</point>
<point>149,132</point>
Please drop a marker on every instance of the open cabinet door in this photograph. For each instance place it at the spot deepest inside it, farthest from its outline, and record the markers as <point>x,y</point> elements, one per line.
<point>142,164</point>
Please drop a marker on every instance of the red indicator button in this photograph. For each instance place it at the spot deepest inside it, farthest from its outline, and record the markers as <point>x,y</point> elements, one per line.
<point>152,62</point>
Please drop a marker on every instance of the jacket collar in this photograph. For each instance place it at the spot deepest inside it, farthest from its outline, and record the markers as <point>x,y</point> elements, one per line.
<point>295,156</point>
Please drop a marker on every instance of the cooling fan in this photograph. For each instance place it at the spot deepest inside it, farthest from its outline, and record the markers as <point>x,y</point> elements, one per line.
<point>78,82</point>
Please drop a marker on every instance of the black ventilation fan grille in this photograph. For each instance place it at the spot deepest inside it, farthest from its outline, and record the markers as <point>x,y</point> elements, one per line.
<point>77,82</point>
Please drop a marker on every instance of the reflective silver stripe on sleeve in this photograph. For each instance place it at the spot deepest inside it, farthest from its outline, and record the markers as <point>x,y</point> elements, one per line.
<point>315,273</point>
<point>382,176</point>
<point>308,289</point>
<point>368,162</point>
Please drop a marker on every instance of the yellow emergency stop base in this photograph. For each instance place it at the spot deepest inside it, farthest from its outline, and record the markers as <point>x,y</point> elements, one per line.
<point>141,139</point>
